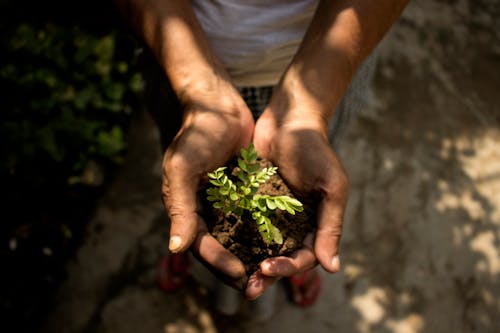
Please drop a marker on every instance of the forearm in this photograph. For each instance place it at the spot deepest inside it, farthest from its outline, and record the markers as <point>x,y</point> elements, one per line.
<point>173,33</point>
<point>339,38</point>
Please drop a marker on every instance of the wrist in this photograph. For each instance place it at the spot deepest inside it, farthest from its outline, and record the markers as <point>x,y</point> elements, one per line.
<point>295,105</point>
<point>205,89</point>
<point>216,105</point>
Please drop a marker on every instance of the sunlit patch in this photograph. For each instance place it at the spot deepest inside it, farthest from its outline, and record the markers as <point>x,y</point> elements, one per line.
<point>371,305</point>
<point>181,326</point>
<point>353,271</point>
<point>484,243</point>
<point>464,200</point>
<point>412,323</point>
<point>388,164</point>
<point>483,167</point>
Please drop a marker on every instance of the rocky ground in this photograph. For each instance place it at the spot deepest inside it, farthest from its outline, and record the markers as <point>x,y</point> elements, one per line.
<point>421,246</point>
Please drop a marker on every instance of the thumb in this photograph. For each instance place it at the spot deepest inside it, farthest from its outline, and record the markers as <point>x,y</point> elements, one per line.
<point>327,242</point>
<point>179,197</point>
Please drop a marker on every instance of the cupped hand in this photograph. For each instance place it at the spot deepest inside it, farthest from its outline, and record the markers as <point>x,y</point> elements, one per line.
<point>215,127</point>
<point>297,144</point>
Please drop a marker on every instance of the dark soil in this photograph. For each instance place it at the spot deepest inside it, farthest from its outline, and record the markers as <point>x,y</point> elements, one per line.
<point>240,235</point>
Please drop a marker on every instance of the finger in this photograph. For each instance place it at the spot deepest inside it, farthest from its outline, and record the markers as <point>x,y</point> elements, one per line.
<point>179,197</point>
<point>219,260</point>
<point>326,245</point>
<point>258,284</point>
<point>264,131</point>
<point>299,261</point>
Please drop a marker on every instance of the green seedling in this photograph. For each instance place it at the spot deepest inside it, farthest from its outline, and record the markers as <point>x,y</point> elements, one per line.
<point>240,196</point>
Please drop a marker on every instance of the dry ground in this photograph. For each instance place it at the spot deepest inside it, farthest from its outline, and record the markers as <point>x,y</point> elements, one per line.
<point>421,247</point>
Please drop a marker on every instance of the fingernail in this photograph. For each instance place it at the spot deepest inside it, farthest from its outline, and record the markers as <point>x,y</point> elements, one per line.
<point>266,266</point>
<point>175,243</point>
<point>336,262</point>
<point>252,292</point>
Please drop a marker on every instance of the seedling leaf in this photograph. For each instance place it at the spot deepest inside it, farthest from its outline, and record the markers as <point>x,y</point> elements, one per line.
<point>276,235</point>
<point>279,203</point>
<point>215,182</point>
<point>243,177</point>
<point>270,203</point>
<point>252,168</point>
<point>242,165</point>
<point>244,153</point>
<point>239,196</point>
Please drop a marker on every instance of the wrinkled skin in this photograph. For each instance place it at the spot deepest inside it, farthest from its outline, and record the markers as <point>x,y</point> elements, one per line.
<point>208,138</point>
<point>300,149</point>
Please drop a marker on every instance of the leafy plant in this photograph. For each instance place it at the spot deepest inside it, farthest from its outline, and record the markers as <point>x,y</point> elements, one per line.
<point>68,97</point>
<point>240,196</point>
<point>69,87</point>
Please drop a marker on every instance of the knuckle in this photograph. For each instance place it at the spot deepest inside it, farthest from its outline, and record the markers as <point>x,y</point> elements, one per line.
<point>165,193</point>
<point>336,188</point>
<point>182,167</point>
<point>331,230</point>
<point>175,160</point>
<point>165,189</point>
<point>172,163</point>
<point>175,212</point>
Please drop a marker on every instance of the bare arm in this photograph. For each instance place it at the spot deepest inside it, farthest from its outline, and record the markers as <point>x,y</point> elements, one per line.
<point>216,123</point>
<point>173,33</point>
<point>340,36</point>
<point>292,131</point>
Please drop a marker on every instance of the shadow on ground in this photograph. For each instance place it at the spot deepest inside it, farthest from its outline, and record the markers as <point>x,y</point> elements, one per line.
<point>420,249</point>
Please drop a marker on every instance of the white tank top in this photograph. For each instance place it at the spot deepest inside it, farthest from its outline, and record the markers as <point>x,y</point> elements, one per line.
<point>255,39</point>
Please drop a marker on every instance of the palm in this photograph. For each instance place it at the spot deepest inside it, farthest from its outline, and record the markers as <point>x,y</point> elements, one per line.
<point>311,168</point>
<point>206,140</point>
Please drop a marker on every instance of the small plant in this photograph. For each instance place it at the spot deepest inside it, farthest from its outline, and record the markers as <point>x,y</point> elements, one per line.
<point>241,196</point>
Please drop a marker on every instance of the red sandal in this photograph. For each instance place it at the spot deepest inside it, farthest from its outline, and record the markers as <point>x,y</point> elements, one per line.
<point>304,287</point>
<point>172,272</point>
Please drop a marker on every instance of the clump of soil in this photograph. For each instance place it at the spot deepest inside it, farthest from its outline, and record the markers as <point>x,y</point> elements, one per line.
<point>240,235</point>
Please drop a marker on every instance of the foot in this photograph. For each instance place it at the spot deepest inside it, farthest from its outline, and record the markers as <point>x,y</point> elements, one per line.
<point>304,287</point>
<point>172,272</point>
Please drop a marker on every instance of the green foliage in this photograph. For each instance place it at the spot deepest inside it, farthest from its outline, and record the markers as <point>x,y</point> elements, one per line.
<point>68,83</point>
<point>67,97</point>
<point>241,195</point>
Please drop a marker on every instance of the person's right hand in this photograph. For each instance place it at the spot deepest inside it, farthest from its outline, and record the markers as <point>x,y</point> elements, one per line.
<point>216,124</point>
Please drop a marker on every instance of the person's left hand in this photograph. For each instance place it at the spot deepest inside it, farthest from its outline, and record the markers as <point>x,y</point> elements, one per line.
<point>297,144</point>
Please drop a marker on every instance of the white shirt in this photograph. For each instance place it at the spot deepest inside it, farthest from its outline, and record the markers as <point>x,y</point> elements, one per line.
<point>255,39</point>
